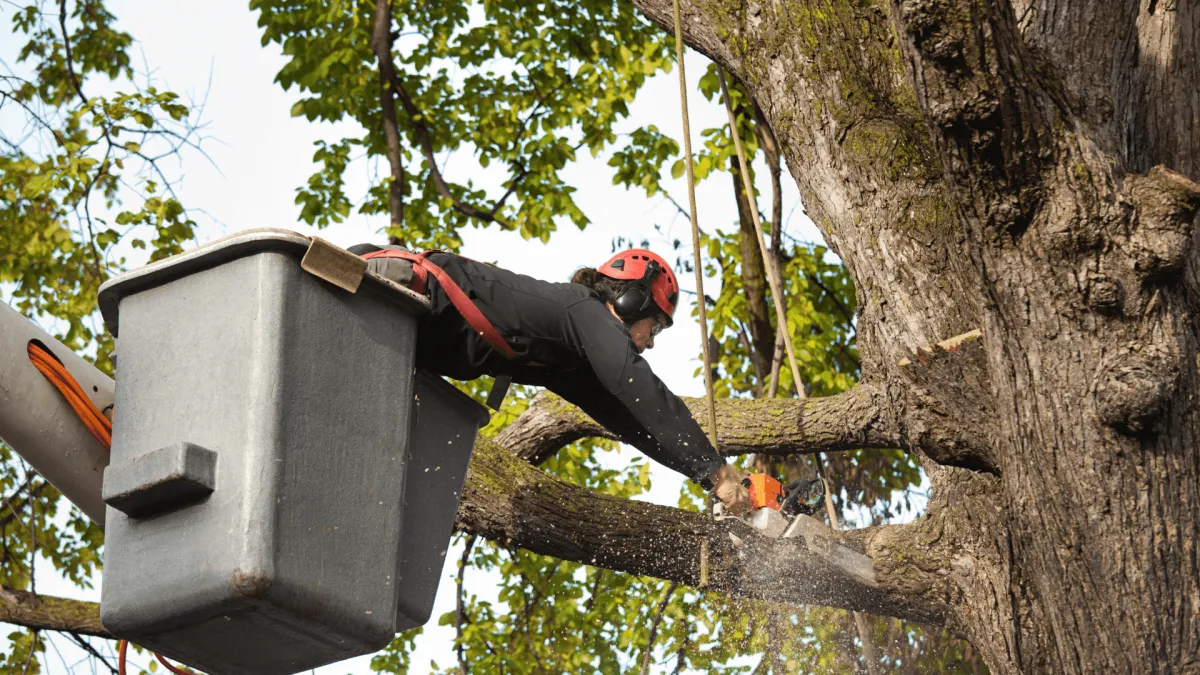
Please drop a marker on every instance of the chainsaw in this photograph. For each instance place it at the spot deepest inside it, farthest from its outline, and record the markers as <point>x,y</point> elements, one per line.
<point>784,512</point>
<point>774,507</point>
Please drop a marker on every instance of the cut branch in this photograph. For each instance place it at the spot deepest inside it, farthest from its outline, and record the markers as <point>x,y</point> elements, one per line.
<point>510,502</point>
<point>507,500</point>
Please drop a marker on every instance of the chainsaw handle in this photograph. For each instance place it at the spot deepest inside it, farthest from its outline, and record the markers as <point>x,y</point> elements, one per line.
<point>794,490</point>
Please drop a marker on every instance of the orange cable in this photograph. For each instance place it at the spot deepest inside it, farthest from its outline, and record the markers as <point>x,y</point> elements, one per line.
<point>100,427</point>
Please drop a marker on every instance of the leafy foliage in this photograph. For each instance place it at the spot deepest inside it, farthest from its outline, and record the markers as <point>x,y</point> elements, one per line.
<point>69,163</point>
<point>520,86</point>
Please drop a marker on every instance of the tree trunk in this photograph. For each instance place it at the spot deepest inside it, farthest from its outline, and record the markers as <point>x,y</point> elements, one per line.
<point>1027,169</point>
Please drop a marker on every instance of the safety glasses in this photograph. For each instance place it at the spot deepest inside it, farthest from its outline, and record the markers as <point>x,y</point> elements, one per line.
<point>657,327</point>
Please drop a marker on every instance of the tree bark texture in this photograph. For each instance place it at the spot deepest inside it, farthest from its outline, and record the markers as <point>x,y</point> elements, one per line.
<point>1027,168</point>
<point>50,613</point>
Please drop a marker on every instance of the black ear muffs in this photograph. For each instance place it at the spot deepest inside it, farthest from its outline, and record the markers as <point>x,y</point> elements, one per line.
<point>632,303</point>
<point>637,300</point>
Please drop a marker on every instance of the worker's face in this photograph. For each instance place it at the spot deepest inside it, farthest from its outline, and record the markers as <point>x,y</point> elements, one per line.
<point>643,332</point>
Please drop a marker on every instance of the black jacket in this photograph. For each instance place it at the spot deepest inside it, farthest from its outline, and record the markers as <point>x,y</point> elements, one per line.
<point>567,341</point>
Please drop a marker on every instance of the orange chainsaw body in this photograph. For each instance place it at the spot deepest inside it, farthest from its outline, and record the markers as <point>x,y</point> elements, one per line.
<point>764,491</point>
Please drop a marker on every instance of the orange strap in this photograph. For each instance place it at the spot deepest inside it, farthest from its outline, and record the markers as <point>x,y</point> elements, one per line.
<point>101,428</point>
<point>422,268</point>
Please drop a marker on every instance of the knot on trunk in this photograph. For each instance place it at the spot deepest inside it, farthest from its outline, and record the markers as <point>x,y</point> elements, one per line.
<point>1167,205</point>
<point>1133,386</point>
<point>934,33</point>
<point>1104,294</point>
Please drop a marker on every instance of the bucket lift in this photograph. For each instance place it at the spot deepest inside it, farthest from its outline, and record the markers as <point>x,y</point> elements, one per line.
<point>283,483</point>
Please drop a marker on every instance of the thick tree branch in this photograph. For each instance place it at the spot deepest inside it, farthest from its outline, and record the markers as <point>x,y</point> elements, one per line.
<point>46,612</point>
<point>703,24</point>
<point>846,421</point>
<point>509,501</point>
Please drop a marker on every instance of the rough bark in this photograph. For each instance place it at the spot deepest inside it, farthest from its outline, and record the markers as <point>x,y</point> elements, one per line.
<point>854,419</point>
<point>1025,168</point>
<point>50,613</point>
<point>509,501</point>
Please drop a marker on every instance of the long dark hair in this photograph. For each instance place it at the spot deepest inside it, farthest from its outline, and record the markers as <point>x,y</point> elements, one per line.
<point>606,288</point>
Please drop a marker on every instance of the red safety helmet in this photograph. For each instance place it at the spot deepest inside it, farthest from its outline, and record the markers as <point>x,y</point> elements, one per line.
<point>654,275</point>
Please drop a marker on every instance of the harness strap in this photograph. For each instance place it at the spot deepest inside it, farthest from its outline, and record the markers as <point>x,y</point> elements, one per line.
<point>422,268</point>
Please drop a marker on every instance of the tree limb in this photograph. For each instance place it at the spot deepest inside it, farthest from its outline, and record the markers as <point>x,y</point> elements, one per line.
<point>381,43</point>
<point>846,421</point>
<point>658,614</point>
<point>425,140</point>
<point>509,501</point>
<point>44,612</point>
<point>704,28</point>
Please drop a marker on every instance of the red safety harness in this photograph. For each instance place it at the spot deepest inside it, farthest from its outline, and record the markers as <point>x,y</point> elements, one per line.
<point>422,268</point>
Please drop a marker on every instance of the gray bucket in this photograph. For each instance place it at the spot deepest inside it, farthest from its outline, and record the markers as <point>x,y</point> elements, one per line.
<point>264,425</point>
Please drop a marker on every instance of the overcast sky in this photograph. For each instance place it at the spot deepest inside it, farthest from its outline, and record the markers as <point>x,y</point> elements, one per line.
<point>212,52</point>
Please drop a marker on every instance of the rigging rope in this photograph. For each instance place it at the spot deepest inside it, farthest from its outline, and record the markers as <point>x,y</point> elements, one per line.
<point>691,188</point>
<point>769,261</point>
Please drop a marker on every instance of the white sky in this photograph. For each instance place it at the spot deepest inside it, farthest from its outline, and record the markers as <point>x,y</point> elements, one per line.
<point>262,155</point>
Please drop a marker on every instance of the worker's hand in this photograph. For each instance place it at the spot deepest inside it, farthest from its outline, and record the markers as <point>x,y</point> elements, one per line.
<point>728,487</point>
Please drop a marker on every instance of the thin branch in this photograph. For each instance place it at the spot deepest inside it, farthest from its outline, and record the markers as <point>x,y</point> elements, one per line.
<point>87,647</point>
<point>679,660</point>
<point>776,360</point>
<point>11,499</point>
<point>841,308</point>
<point>18,507</point>
<point>62,22</point>
<point>460,613</point>
<point>421,132</point>
<point>32,651</point>
<point>591,601</point>
<point>658,615</point>
<point>770,147</point>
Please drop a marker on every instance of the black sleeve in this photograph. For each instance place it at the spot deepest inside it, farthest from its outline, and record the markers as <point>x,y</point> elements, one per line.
<point>623,394</point>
